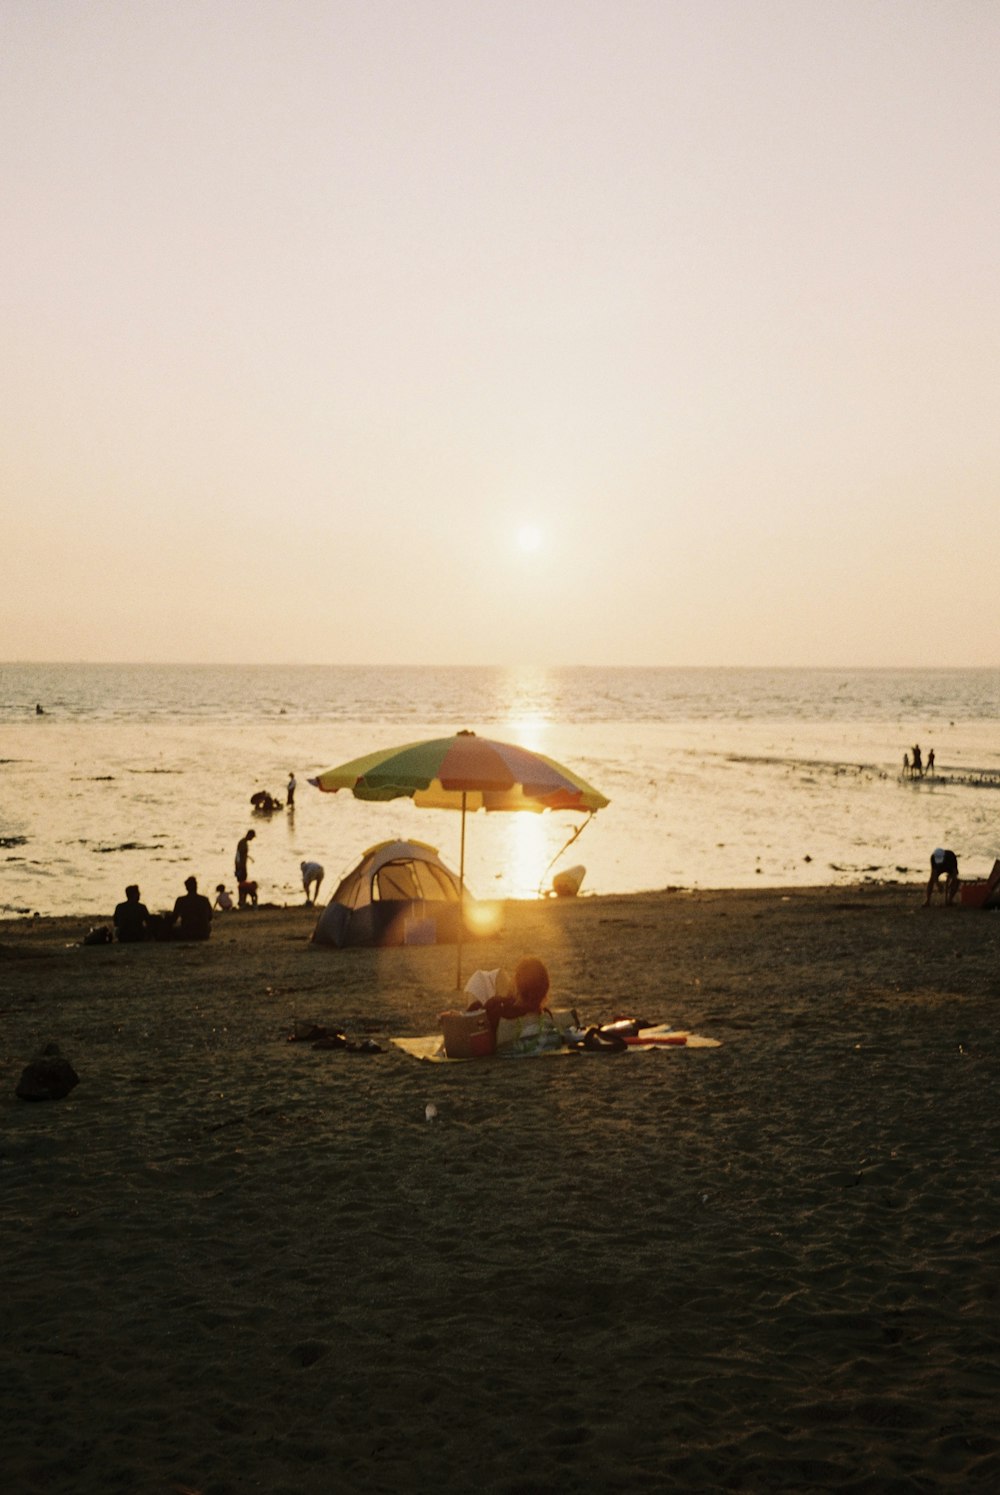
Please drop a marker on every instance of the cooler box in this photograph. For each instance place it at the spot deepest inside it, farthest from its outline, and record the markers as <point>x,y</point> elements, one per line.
<point>467,1035</point>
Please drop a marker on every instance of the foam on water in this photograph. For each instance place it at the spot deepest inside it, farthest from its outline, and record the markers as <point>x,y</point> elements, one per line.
<point>722,778</point>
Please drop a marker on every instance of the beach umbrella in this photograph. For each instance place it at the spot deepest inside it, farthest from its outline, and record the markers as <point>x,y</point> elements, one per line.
<point>464,772</point>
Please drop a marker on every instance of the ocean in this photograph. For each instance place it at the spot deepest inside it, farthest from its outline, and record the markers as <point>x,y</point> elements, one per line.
<point>716,777</point>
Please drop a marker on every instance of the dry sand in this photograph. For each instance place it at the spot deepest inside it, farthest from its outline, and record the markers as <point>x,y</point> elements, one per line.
<point>235,1264</point>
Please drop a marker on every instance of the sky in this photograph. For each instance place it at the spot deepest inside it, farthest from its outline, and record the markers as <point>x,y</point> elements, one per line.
<point>613,332</point>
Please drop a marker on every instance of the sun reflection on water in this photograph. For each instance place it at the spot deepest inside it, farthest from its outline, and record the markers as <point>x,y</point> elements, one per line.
<point>528,705</point>
<point>524,849</point>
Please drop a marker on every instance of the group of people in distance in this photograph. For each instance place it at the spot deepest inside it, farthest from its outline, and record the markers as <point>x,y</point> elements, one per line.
<point>246,887</point>
<point>191,916</point>
<point>913,763</point>
<point>265,803</point>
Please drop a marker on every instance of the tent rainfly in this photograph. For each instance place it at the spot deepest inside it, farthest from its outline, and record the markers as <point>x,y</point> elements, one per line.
<point>400,893</point>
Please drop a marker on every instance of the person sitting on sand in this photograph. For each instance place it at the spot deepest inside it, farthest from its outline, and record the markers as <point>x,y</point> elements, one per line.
<point>223,898</point>
<point>131,918</point>
<point>495,993</point>
<point>943,864</point>
<point>194,912</point>
<point>498,995</point>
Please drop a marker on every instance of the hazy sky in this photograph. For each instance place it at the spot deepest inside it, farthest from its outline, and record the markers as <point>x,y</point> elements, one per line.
<point>317,315</point>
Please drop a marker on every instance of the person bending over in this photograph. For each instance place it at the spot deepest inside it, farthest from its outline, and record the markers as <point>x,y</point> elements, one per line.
<point>943,864</point>
<point>312,879</point>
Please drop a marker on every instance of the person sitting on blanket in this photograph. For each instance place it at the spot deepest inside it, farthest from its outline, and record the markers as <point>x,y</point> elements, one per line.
<point>494,993</point>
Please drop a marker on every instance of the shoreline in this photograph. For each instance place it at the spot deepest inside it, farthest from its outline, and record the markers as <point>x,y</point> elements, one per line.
<point>18,918</point>
<point>236,1262</point>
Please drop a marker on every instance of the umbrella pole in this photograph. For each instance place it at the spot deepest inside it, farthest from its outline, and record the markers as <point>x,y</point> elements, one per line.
<point>461,902</point>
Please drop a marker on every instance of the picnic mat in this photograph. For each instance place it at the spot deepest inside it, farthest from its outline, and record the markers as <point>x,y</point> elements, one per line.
<point>649,1040</point>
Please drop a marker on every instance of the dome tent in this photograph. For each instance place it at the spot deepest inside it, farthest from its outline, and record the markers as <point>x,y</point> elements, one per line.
<point>399,893</point>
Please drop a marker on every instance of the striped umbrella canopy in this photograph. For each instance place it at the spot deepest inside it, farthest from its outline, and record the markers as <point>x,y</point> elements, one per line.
<point>464,772</point>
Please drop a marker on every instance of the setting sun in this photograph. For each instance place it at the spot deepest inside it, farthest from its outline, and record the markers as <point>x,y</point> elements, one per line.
<point>529,537</point>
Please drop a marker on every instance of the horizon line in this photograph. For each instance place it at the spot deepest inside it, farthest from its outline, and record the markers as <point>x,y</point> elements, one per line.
<point>291,664</point>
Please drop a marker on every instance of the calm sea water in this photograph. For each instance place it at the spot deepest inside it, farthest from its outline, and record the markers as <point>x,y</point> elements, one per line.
<point>717,778</point>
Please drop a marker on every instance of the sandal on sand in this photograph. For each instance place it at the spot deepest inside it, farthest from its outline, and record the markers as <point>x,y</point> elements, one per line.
<point>603,1043</point>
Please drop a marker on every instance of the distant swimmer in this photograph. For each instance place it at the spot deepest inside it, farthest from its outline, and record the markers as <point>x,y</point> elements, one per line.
<point>38,710</point>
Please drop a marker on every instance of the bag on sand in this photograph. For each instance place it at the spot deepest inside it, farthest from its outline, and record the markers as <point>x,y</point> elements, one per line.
<point>534,1033</point>
<point>467,1035</point>
<point>99,935</point>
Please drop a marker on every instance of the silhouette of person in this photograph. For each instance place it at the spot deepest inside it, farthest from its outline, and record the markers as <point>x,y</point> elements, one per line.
<point>243,856</point>
<point>290,791</point>
<point>943,864</point>
<point>312,878</point>
<point>194,912</point>
<point>131,918</point>
<point>918,762</point>
<point>930,761</point>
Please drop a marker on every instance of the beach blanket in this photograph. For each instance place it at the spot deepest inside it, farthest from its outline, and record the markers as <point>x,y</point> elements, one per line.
<point>659,1039</point>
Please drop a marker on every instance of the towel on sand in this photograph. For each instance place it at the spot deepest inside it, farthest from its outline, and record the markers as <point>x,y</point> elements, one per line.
<point>650,1040</point>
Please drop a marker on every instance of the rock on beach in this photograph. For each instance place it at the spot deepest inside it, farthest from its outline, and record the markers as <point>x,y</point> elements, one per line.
<point>49,1076</point>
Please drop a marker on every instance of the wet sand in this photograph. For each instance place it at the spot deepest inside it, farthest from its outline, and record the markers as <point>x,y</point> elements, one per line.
<point>234,1263</point>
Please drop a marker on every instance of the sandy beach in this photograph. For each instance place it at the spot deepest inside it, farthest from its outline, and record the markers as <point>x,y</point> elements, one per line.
<point>235,1263</point>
